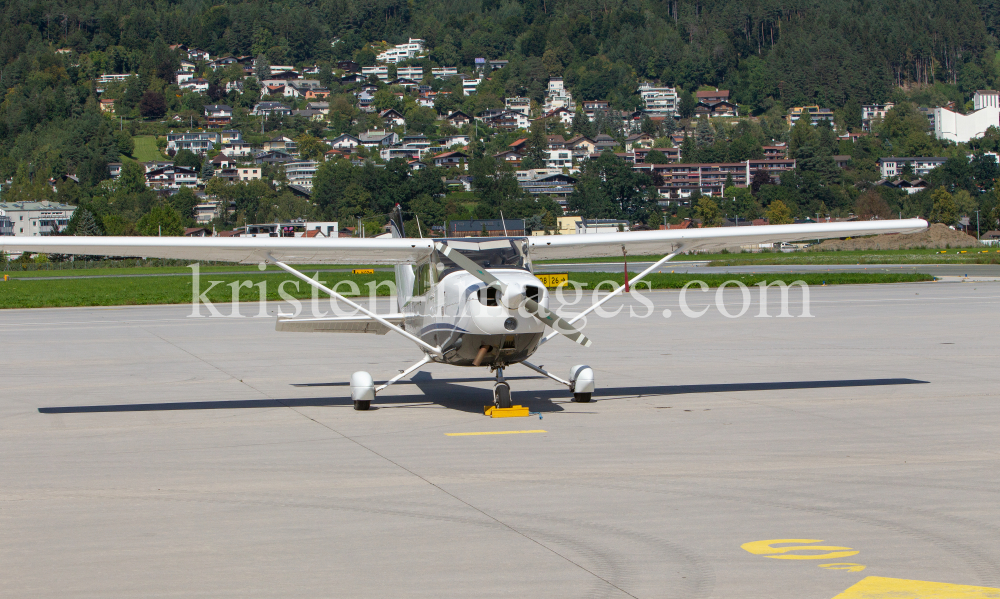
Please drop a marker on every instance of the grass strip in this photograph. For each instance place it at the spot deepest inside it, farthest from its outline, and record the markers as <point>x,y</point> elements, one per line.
<point>69,292</point>
<point>914,256</point>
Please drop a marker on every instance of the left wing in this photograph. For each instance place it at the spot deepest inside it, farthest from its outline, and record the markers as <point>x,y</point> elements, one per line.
<point>246,250</point>
<point>337,324</point>
<point>551,247</point>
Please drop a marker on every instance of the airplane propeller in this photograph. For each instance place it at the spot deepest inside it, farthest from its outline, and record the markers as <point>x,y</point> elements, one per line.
<point>515,301</point>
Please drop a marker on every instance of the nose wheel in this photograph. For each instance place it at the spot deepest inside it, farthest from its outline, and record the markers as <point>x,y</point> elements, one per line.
<point>501,392</point>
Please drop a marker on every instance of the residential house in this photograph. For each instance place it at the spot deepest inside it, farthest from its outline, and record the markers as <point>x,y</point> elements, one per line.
<point>705,109</point>
<point>221,63</point>
<point>581,147</point>
<point>776,152</point>
<point>271,108</point>
<point>659,101</point>
<point>510,156</point>
<point>345,142</point>
<point>172,177</point>
<point>366,101</point>
<point>107,105</point>
<point>874,112</point>
<point>322,107</point>
<point>187,65</point>
<point>301,173</point>
<point>469,86</point>
<point>196,55</point>
<point>457,160</point>
<point>522,105</point>
<point>401,52</point>
<point>236,149</point>
<point>407,153</point>
<point>558,158</point>
<point>505,120</point>
<point>381,72</point>
<point>222,161</point>
<point>894,166</point>
<point>552,183</point>
<point>555,142</point>
<point>199,143</point>
<point>282,143</point>
<point>236,86</point>
<point>272,157</point>
<point>196,85</point>
<point>444,72</point>
<point>392,118</point>
<point>604,142</point>
<point>454,140</point>
<point>317,93</point>
<point>312,115</point>
<point>377,138</point>
<point>349,66</point>
<point>218,115</point>
<point>814,113</point>
<point>458,119</point>
<point>30,219</point>
<point>197,232</point>
<point>183,77</point>
<point>592,107</point>
<point>638,140</point>
<point>410,72</point>
<point>561,114</point>
<point>519,145</point>
<point>405,83</point>
<point>672,154</point>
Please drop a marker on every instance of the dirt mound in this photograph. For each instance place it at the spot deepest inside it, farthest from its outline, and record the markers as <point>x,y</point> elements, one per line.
<point>937,236</point>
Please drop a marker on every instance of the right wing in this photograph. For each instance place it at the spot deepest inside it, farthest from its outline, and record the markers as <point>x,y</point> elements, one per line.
<point>338,324</point>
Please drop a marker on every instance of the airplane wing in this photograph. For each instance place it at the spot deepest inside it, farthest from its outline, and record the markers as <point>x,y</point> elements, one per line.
<point>246,250</point>
<point>554,247</point>
<point>342,324</point>
<point>297,250</point>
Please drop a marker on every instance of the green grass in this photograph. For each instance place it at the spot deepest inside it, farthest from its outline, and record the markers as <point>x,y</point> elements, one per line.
<point>170,270</point>
<point>146,150</point>
<point>70,291</point>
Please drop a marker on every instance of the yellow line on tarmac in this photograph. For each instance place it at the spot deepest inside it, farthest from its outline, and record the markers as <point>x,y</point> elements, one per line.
<point>493,433</point>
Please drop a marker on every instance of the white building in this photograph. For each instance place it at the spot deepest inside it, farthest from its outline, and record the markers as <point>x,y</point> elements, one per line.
<point>522,105</point>
<point>415,73</point>
<point>31,219</point>
<point>444,72</point>
<point>469,86</point>
<point>380,72</point>
<point>960,128</point>
<point>401,52</point>
<point>871,112</point>
<point>661,101</point>
<point>893,165</point>
<point>301,173</point>
<point>199,143</point>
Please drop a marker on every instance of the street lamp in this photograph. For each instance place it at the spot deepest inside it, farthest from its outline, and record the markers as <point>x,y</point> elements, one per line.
<point>977,224</point>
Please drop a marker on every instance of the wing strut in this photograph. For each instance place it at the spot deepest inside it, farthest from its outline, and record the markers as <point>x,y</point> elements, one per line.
<point>614,293</point>
<point>427,346</point>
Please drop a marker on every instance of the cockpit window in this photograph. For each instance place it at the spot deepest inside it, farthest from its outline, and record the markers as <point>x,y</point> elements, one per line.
<point>486,252</point>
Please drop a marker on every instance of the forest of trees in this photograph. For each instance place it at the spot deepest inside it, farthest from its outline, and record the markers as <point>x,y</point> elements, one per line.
<point>772,54</point>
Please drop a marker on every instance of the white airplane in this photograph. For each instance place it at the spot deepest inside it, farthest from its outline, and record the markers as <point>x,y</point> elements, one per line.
<point>469,301</point>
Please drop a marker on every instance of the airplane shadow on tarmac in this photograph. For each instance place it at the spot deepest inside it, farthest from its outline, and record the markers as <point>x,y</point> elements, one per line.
<point>451,394</point>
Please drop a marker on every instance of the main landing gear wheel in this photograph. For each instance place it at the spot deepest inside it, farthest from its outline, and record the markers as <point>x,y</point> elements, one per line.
<point>362,390</point>
<point>581,380</point>
<point>501,395</point>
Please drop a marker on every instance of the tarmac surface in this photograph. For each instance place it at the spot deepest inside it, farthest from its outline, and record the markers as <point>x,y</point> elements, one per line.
<point>150,454</point>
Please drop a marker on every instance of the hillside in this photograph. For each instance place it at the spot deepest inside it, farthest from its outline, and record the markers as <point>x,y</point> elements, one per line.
<point>771,54</point>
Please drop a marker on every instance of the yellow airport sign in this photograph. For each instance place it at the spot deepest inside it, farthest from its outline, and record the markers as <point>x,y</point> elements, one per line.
<point>363,271</point>
<point>554,280</point>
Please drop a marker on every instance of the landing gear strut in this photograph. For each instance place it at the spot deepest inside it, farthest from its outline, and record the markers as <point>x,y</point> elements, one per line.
<point>501,392</point>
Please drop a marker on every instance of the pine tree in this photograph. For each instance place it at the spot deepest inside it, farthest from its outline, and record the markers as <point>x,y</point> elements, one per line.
<point>704,134</point>
<point>261,68</point>
<point>86,224</point>
<point>207,170</point>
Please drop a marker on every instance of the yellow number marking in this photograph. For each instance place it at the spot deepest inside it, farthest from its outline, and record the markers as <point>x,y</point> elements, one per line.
<point>766,549</point>
<point>557,280</point>
<point>877,587</point>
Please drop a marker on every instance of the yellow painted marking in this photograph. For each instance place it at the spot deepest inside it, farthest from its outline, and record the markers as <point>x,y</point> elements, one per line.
<point>556,280</point>
<point>877,587</point>
<point>493,433</point>
<point>843,566</point>
<point>766,549</point>
<point>363,271</point>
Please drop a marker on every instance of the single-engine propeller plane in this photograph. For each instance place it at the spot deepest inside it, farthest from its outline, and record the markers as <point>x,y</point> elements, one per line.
<point>470,301</point>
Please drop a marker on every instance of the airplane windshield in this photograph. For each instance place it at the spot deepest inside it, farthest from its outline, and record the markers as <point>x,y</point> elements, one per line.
<point>486,252</point>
